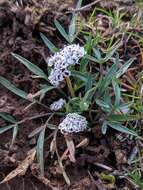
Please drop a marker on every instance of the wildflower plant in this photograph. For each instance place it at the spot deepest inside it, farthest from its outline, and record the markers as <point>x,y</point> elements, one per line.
<point>91,90</point>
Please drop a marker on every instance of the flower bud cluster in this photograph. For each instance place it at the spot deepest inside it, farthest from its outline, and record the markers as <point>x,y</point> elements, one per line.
<point>61,60</point>
<point>73,123</point>
<point>57,105</point>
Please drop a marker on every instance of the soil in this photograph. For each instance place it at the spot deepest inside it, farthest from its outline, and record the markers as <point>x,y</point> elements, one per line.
<point>20,27</point>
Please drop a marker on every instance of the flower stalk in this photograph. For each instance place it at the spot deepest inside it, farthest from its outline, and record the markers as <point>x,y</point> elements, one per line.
<point>70,87</point>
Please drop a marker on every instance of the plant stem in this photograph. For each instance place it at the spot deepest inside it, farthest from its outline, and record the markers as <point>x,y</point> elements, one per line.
<point>70,87</point>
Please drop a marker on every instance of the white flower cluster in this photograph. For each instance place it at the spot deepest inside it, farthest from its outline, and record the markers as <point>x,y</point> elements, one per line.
<point>60,62</point>
<point>57,105</point>
<point>73,123</point>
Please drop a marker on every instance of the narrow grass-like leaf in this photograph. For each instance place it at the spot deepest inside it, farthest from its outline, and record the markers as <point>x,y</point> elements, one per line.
<point>6,128</point>
<point>7,117</point>
<point>102,104</point>
<point>122,129</point>
<point>15,132</point>
<point>117,92</point>
<point>104,128</point>
<point>107,98</point>
<point>124,68</point>
<point>79,75</point>
<point>7,84</point>
<point>108,78</point>
<point>72,26</point>
<point>91,58</point>
<point>97,53</point>
<point>48,43</point>
<point>40,149</point>
<point>86,100</point>
<point>124,108</point>
<point>123,118</point>
<point>88,84</point>
<point>62,30</point>
<point>89,94</point>
<point>33,68</point>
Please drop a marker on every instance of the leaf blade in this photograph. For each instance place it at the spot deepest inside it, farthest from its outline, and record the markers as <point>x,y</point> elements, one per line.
<point>62,30</point>
<point>33,68</point>
<point>7,84</point>
<point>48,43</point>
<point>40,149</point>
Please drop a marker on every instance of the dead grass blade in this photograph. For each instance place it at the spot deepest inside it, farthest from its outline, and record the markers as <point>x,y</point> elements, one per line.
<point>23,166</point>
<point>71,148</point>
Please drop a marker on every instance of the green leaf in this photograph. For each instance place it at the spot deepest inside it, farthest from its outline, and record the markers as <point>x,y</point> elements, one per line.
<point>107,98</point>
<point>123,108</point>
<point>88,84</point>
<point>117,92</point>
<point>124,68</point>
<point>89,94</point>
<point>79,75</point>
<point>91,58</point>
<point>123,118</point>
<point>43,91</point>
<point>6,128</point>
<point>72,28</point>
<point>48,43</point>
<point>40,149</point>
<point>86,100</point>
<point>102,104</point>
<point>108,56</point>
<point>7,117</point>
<point>33,68</point>
<point>121,128</point>
<point>7,84</point>
<point>97,53</point>
<point>62,31</point>
<point>108,78</point>
<point>104,128</point>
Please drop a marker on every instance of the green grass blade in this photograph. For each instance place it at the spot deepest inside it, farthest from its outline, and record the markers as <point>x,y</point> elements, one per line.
<point>108,78</point>
<point>33,68</point>
<point>123,118</point>
<point>102,104</point>
<point>124,68</point>
<point>6,128</point>
<point>62,30</point>
<point>7,84</point>
<point>72,28</point>
<point>79,75</point>
<point>117,92</point>
<point>48,43</point>
<point>7,117</point>
<point>40,149</point>
<point>88,84</point>
<point>104,128</point>
<point>122,129</point>
<point>86,100</point>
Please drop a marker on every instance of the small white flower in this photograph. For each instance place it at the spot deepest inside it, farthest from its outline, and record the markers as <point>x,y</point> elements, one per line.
<point>73,123</point>
<point>60,62</point>
<point>57,105</point>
